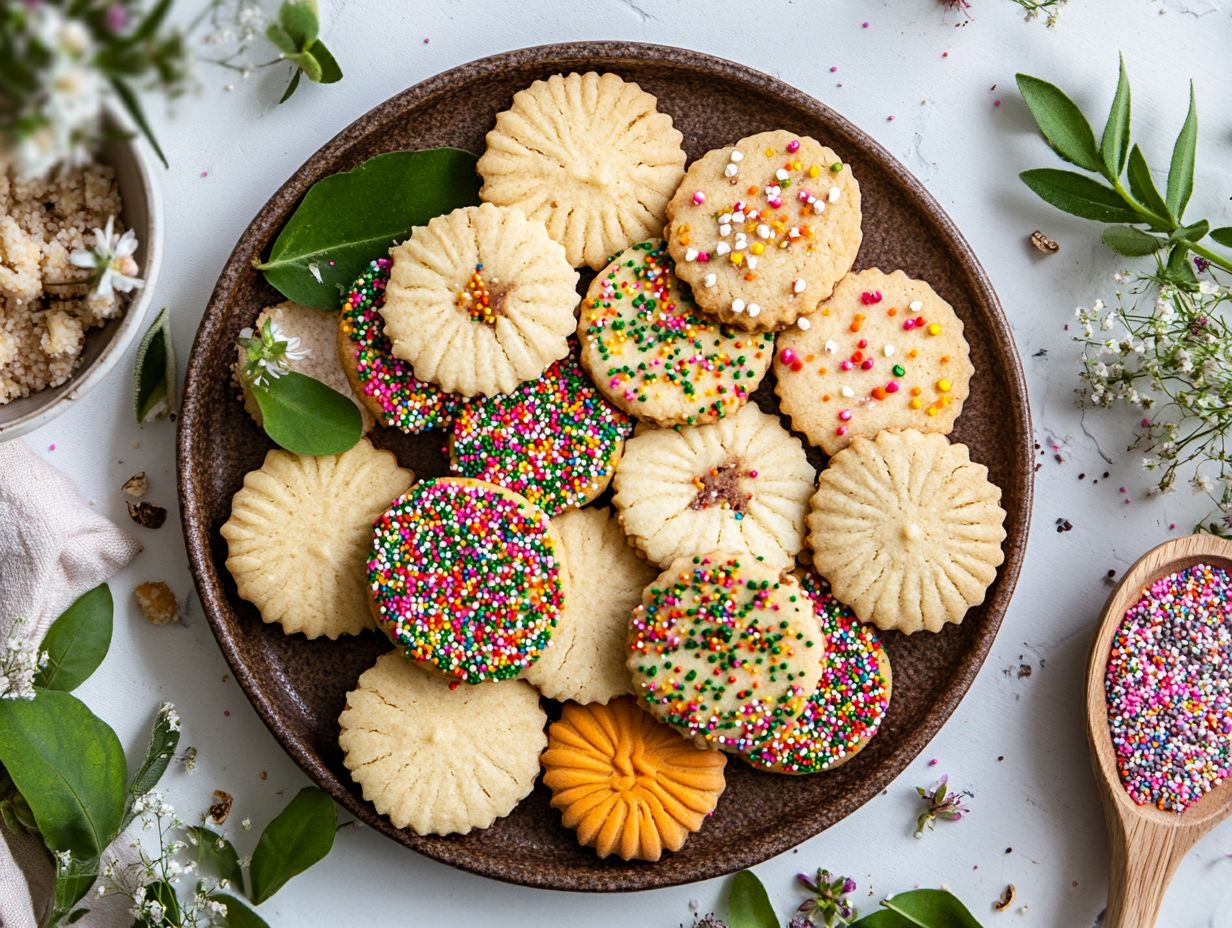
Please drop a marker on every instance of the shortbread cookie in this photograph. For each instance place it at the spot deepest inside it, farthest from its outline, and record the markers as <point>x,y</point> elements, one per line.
<point>628,785</point>
<point>299,534</point>
<point>384,382</point>
<point>436,759</point>
<point>480,300</point>
<point>316,333</point>
<point>740,485</point>
<point>589,156</point>
<point>726,650</point>
<point>585,659</point>
<point>850,702</point>
<point>885,351</point>
<point>555,440</point>
<point>907,529</point>
<point>764,229</point>
<point>654,354</point>
<point>466,577</point>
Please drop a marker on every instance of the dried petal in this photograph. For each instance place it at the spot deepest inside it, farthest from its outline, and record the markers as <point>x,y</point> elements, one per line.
<point>147,515</point>
<point>1044,243</point>
<point>135,486</point>
<point>1006,900</point>
<point>220,808</point>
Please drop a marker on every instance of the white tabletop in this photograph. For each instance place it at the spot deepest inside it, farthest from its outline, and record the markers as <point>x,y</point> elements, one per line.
<point>230,150</point>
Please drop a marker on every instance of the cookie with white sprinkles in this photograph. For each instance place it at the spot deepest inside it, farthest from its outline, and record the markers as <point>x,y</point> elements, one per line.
<point>763,230</point>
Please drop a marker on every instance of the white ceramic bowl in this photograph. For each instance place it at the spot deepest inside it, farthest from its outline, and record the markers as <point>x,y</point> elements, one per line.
<point>143,212</point>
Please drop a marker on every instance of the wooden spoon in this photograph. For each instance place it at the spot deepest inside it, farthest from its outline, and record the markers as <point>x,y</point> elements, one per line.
<point>1147,844</point>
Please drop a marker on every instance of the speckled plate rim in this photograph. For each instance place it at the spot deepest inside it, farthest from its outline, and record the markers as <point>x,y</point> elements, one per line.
<point>598,53</point>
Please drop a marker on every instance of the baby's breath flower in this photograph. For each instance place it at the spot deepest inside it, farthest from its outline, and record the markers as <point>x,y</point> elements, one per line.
<point>20,662</point>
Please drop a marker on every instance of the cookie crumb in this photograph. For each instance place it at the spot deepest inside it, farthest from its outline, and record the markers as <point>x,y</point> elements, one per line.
<point>1043,243</point>
<point>157,603</point>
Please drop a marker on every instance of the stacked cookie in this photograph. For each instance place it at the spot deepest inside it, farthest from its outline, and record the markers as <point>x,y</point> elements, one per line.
<point>719,605</point>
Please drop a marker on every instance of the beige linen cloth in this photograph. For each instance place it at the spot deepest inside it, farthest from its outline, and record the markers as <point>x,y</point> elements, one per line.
<point>53,547</point>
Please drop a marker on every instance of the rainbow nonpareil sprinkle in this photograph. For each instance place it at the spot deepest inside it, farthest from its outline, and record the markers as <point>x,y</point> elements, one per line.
<point>465,576</point>
<point>849,703</point>
<point>1169,689</point>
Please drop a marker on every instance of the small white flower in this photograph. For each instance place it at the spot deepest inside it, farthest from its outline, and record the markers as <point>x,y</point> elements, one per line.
<point>111,260</point>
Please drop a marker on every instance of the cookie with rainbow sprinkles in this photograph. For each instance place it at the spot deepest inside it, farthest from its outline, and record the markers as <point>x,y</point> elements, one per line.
<point>850,702</point>
<point>655,354</point>
<point>554,440</point>
<point>384,382</point>
<point>725,650</point>
<point>466,577</point>
<point>885,351</point>
<point>762,230</point>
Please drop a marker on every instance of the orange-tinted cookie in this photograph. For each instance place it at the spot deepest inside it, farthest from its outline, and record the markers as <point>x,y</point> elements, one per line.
<point>627,784</point>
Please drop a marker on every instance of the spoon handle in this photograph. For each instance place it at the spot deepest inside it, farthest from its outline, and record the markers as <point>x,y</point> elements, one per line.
<point>1144,857</point>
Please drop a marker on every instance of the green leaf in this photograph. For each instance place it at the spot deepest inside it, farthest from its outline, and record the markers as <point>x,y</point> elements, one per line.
<point>1223,236</point>
<point>163,893</point>
<point>291,87</point>
<point>158,753</point>
<point>1180,174</point>
<point>300,22</point>
<point>297,838</point>
<point>1179,270</point>
<point>931,908</point>
<point>1078,195</point>
<point>281,40</point>
<point>309,65</point>
<point>154,391</point>
<point>69,766</point>
<point>1114,145</point>
<point>748,905</point>
<point>1062,123</point>
<point>77,642</point>
<point>1142,185</point>
<point>133,106</point>
<point>331,73</point>
<point>218,854</point>
<point>347,219</point>
<point>1131,242</point>
<point>148,26</point>
<point>238,914</point>
<point>305,416</point>
<point>71,885</point>
<point>1192,233</point>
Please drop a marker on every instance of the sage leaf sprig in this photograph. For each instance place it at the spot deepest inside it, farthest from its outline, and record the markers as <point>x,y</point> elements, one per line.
<point>296,36</point>
<point>155,374</point>
<point>1140,219</point>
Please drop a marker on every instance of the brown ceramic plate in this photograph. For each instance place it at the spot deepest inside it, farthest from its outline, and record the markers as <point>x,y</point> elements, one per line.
<point>299,687</point>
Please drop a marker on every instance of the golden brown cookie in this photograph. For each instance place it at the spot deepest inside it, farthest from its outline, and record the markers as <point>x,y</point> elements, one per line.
<point>627,784</point>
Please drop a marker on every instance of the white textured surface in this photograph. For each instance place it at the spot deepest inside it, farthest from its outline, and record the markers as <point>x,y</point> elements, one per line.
<point>230,151</point>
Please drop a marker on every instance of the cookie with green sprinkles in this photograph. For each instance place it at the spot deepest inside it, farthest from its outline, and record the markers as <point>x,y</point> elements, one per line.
<point>655,354</point>
<point>384,382</point>
<point>554,440</point>
<point>726,650</point>
<point>467,578</point>
<point>850,702</point>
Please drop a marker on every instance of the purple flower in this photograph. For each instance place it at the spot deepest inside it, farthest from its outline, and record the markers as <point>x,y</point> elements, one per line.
<point>942,803</point>
<point>116,18</point>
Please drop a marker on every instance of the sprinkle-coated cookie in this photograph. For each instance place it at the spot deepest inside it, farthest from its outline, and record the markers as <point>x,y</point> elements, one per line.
<point>726,650</point>
<point>764,229</point>
<point>627,784</point>
<point>480,300</point>
<point>585,659</point>
<point>590,156</point>
<point>299,533</point>
<point>739,485</point>
<point>850,702</point>
<point>436,759</point>
<point>907,529</point>
<point>466,577</point>
<point>386,384</point>
<point>885,351</point>
<point>655,354</point>
<point>554,440</point>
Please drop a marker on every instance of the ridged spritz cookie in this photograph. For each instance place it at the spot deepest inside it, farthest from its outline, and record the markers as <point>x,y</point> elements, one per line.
<point>726,650</point>
<point>299,534</point>
<point>850,702</point>
<point>384,382</point>
<point>555,440</point>
<point>436,759</point>
<point>885,351</point>
<point>316,334</point>
<point>907,529</point>
<point>654,354</point>
<point>591,157</point>
<point>764,229</point>
<point>585,659</point>
<point>739,485</point>
<point>480,300</point>
<point>466,577</point>
<point>628,785</point>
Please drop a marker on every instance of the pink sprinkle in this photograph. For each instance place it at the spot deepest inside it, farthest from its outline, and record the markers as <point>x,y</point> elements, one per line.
<point>945,54</point>
<point>996,102</point>
<point>793,146</point>
<point>892,386</point>
<point>787,356</point>
<point>845,415</point>
<point>426,41</point>
<point>869,297</point>
<point>890,118</point>
<point>699,197</point>
<point>205,173</point>
<point>933,762</point>
<point>51,447</point>
<point>703,256</point>
<point>833,68</point>
<point>1172,526</point>
<point>1123,490</point>
<point>846,365</point>
<point>867,365</point>
<point>841,430</point>
<point>753,474</point>
<point>909,324</point>
<point>1145,423</point>
<point>864,25</point>
<point>862,343</point>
